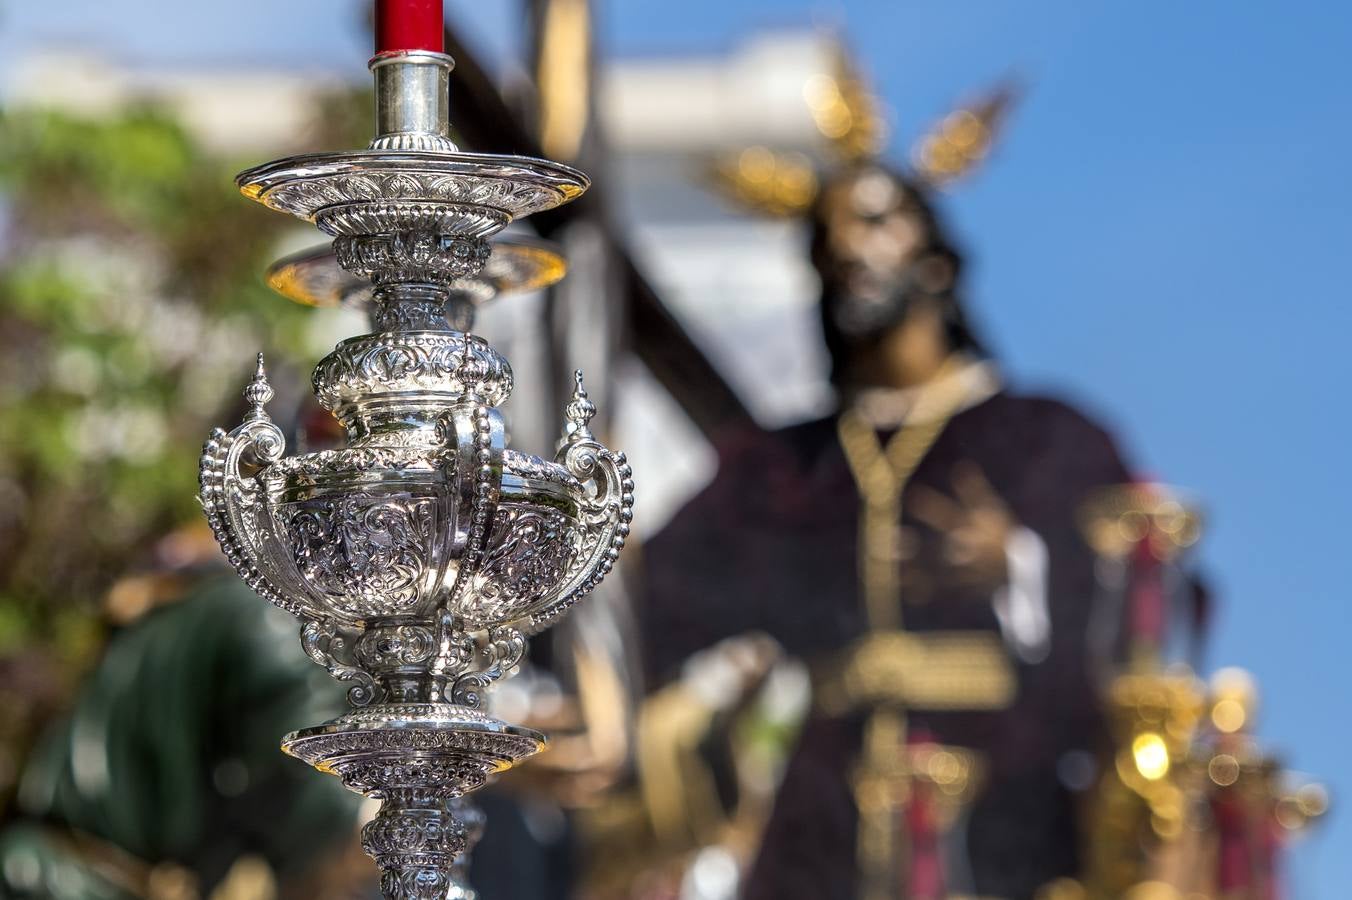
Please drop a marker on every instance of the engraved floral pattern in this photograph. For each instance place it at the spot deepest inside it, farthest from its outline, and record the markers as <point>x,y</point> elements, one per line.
<point>529,551</point>
<point>391,362</point>
<point>431,882</point>
<point>358,460</point>
<point>394,646</point>
<point>415,839</point>
<point>411,256</point>
<point>487,751</point>
<point>367,554</point>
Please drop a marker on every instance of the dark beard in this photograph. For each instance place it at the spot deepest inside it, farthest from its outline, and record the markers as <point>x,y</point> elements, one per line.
<point>858,317</point>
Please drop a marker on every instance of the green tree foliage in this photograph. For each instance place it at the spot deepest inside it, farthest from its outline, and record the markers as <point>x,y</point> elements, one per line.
<point>131,303</point>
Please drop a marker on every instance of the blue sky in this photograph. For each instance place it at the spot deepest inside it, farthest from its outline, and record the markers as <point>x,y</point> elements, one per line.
<point>1163,233</point>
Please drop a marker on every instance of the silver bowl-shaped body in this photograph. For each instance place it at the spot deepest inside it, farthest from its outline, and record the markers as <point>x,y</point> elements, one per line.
<point>418,555</point>
<point>373,532</point>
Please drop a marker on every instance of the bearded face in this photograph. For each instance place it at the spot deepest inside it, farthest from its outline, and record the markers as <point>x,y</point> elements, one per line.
<point>877,253</point>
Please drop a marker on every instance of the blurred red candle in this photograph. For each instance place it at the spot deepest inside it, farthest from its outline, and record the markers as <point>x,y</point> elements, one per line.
<point>409,25</point>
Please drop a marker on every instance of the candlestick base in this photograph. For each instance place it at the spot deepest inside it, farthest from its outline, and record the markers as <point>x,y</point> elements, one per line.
<point>420,759</point>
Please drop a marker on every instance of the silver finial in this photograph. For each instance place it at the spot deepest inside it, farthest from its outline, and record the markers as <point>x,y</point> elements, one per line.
<point>578,413</point>
<point>258,393</point>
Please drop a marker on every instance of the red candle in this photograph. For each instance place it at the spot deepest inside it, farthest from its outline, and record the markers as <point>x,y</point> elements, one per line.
<point>409,25</point>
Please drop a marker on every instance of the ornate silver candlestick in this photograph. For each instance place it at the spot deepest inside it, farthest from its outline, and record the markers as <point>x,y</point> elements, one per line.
<point>420,556</point>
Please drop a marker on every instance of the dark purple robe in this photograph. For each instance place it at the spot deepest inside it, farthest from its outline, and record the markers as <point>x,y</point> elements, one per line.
<point>772,546</point>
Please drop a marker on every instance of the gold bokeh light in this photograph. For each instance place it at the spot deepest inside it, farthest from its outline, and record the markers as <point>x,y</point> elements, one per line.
<point>1151,755</point>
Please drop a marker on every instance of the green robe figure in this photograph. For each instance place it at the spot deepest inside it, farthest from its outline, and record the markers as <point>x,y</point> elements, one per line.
<point>165,781</point>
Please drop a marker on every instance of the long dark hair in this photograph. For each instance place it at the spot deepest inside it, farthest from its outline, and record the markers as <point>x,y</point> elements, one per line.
<point>936,250</point>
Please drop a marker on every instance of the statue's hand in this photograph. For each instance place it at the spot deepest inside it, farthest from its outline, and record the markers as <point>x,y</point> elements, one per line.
<point>975,524</point>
